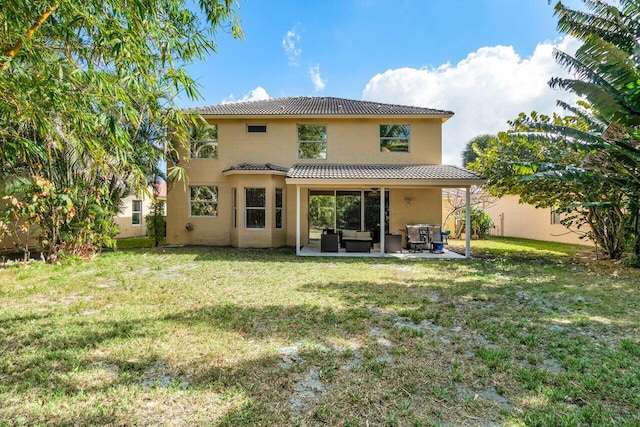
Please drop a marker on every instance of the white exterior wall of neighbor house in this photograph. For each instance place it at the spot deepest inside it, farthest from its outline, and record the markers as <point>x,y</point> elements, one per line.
<point>124,219</point>
<point>514,219</point>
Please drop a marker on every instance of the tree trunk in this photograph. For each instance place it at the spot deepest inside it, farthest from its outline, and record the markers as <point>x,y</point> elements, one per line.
<point>635,212</point>
<point>16,48</point>
<point>608,227</point>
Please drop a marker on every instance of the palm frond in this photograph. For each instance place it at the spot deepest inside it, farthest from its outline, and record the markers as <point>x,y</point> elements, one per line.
<point>606,21</point>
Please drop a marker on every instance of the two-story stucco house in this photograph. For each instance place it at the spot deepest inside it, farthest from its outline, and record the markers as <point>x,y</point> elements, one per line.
<point>272,173</point>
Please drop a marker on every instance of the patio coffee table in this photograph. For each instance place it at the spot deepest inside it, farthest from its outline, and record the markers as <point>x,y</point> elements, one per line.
<point>357,245</point>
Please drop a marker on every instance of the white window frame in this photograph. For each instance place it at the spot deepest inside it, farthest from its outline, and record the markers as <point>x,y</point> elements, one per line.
<point>214,189</point>
<point>279,209</point>
<point>325,142</point>
<point>135,211</point>
<point>255,208</point>
<point>234,209</point>
<point>386,138</point>
<point>205,142</point>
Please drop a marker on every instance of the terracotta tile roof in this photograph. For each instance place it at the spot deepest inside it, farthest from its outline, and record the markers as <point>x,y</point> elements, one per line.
<point>256,167</point>
<point>418,172</point>
<point>161,189</point>
<point>315,106</point>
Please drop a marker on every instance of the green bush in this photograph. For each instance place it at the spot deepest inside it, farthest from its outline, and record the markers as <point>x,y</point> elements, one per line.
<point>480,221</point>
<point>156,223</point>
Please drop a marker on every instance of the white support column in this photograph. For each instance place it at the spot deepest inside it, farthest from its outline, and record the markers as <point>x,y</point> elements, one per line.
<point>382,229</point>
<point>467,225</point>
<point>363,194</point>
<point>297,220</point>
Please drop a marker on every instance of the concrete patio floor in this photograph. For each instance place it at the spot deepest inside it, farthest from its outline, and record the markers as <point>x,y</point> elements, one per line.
<point>375,253</point>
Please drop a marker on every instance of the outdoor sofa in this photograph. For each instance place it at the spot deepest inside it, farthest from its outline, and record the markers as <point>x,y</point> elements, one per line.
<point>349,240</point>
<point>356,241</point>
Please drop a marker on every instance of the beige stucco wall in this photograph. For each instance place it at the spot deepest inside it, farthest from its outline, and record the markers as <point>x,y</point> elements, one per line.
<point>454,202</point>
<point>514,219</point>
<point>348,141</point>
<point>213,231</point>
<point>414,206</point>
<point>290,218</point>
<point>218,230</point>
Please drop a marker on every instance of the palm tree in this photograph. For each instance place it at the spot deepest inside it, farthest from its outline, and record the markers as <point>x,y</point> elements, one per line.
<point>607,74</point>
<point>477,144</point>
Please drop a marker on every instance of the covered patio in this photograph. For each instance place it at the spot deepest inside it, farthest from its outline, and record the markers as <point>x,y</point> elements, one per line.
<point>414,192</point>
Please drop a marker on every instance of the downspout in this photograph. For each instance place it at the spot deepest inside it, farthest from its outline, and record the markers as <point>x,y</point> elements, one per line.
<point>382,221</point>
<point>297,220</point>
<point>467,226</point>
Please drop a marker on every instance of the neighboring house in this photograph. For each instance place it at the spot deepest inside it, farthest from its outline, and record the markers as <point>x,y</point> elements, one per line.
<point>263,164</point>
<point>21,240</point>
<point>514,219</point>
<point>453,206</point>
<point>131,218</point>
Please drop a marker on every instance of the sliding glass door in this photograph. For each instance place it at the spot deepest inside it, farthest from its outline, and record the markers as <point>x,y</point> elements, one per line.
<point>346,210</point>
<point>349,210</point>
<point>322,209</point>
<point>372,213</point>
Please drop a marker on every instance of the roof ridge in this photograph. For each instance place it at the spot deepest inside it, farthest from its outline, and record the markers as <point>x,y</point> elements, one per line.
<point>247,166</point>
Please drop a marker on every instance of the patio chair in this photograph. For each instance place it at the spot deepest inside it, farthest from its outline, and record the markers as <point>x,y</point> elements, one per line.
<point>435,239</point>
<point>414,238</point>
<point>329,243</point>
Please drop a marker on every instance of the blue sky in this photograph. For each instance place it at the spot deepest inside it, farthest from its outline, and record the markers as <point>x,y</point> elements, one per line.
<point>486,60</point>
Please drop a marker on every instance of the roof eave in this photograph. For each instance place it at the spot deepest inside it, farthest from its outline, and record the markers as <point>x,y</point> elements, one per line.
<point>443,117</point>
<point>253,172</point>
<point>379,182</point>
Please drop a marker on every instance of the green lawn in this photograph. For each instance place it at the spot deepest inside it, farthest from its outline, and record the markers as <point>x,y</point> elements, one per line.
<point>135,242</point>
<point>526,334</point>
<point>509,246</point>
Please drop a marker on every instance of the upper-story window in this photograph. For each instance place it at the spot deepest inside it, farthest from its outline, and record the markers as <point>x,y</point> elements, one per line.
<point>394,138</point>
<point>312,141</point>
<point>203,141</point>
<point>256,128</point>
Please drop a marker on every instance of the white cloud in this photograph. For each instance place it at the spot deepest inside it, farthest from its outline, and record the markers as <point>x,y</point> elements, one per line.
<point>484,90</point>
<point>318,83</point>
<point>289,43</point>
<point>257,94</point>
